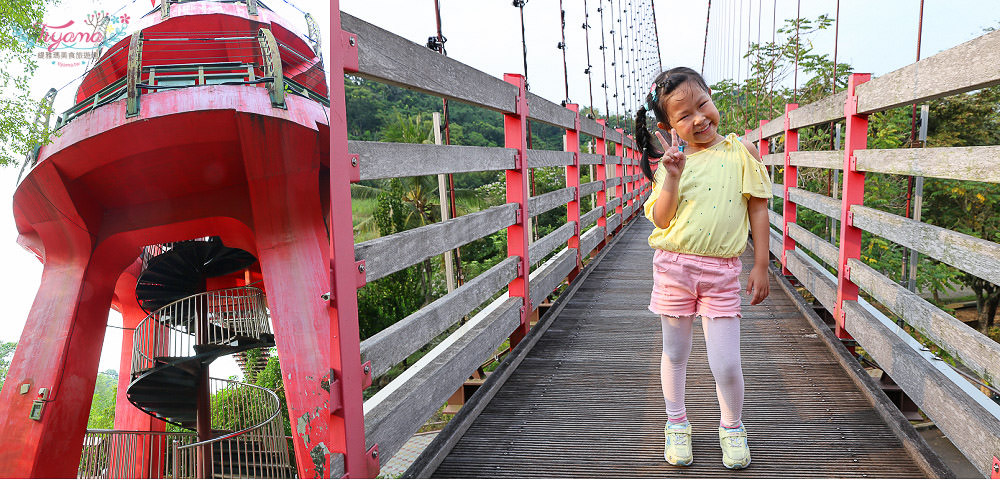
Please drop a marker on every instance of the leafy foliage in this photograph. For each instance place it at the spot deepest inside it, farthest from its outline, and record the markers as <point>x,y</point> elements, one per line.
<point>102,410</point>
<point>17,108</point>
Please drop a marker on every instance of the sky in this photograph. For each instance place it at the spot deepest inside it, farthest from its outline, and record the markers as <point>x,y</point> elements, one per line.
<point>875,36</point>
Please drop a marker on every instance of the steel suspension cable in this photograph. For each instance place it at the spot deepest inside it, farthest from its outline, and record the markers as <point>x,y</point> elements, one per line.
<point>704,49</point>
<point>604,63</point>
<point>656,33</point>
<point>452,207</point>
<point>798,20</point>
<point>739,44</point>
<point>614,65</point>
<point>586,37</point>
<point>562,46</point>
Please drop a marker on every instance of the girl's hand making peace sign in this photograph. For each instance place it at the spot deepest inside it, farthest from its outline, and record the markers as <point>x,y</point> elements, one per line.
<point>673,158</point>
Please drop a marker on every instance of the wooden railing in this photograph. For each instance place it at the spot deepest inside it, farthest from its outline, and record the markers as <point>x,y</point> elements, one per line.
<point>969,418</point>
<point>398,410</point>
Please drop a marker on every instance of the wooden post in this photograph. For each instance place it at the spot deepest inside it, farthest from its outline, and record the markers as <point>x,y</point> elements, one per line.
<point>449,265</point>
<point>790,180</point>
<point>515,136</point>
<point>856,138</point>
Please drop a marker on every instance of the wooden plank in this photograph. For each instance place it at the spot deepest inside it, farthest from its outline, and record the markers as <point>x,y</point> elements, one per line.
<point>545,245</point>
<point>816,202</point>
<point>775,218</point>
<point>821,248</point>
<point>591,127</point>
<point>614,221</point>
<point>612,204</point>
<point>395,252</point>
<point>382,159</point>
<point>816,280</point>
<point>773,159</point>
<point>972,65</point>
<point>399,409</point>
<point>613,160</point>
<point>774,127</point>
<point>832,159</point>
<point>976,351</point>
<point>591,188</point>
<point>389,58</point>
<point>968,418</point>
<point>590,239</point>
<point>590,217</point>
<point>547,201</point>
<point>825,110</point>
<point>591,158</point>
<point>926,458</point>
<point>549,158</point>
<point>778,190</point>
<point>977,164</point>
<point>443,443</point>
<point>613,136</point>
<point>754,136</point>
<point>775,245</point>
<point>965,252</point>
<point>613,181</point>
<point>542,110</point>
<point>336,465</point>
<point>549,275</point>
<point>392,345</point>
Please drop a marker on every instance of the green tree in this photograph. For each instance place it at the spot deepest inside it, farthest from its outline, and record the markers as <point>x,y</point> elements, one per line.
<point>18,19</point>
<point>102,409</point>
<point>6,354</point>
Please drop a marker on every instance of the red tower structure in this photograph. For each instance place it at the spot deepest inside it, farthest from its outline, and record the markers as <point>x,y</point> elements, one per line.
<point>188,188</point>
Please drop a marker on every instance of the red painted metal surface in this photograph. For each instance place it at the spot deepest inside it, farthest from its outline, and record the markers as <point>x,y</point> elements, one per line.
<point>106,186</point>
<point>347,428</point>
<point>573,181</point>
<point>790,180</point>
<point>856,138</point>
<point>622,153</point>
<point>601,146</point>
<point>995,471</point>
<point>515,136</point>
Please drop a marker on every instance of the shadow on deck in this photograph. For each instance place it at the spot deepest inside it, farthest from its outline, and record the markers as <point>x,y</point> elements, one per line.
<point>581,396</point>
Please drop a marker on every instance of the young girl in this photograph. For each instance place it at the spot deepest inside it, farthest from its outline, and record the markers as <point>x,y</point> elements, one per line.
<point>705,195</point>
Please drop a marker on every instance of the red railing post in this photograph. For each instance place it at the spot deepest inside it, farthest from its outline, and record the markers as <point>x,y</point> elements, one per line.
<point>515,136</point>
<point>573,181</point>
<point>601,144</point>
<point>621,151</point>
<point>856,138</point>
<point>762,143</point>
<point>347,377</point>
<point>790,180</point>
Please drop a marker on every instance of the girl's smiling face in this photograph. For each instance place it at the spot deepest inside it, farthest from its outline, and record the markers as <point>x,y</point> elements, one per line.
<point>692,113</point>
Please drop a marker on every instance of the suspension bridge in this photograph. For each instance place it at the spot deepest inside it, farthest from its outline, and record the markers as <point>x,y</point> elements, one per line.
<point>201,192</point>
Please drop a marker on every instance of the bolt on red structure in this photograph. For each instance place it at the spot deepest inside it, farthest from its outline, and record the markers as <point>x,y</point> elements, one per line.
<point>174,145</point>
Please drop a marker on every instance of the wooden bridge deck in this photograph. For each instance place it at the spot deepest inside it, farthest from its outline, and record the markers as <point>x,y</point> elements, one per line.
<point>585,398</point>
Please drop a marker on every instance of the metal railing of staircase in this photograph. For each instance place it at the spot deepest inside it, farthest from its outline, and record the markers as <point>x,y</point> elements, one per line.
<point>256,449</point>
<point>130,454</point>
<point>836,274</point>
<point>502,299</point>
<point>175,330</point>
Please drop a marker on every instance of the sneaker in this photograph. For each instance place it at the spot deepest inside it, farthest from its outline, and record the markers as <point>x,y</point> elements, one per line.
<point>677,446</point>
<point>735,451</point>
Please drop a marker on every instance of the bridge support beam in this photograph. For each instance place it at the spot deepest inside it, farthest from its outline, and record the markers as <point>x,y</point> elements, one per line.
<point>601,145</point>
<point>573,181</point>
<point>790,180</point>
<point>856,138</point>
<point>515,136</point>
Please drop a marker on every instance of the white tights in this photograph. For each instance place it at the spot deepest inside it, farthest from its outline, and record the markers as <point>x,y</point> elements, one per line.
<point>722,340</point>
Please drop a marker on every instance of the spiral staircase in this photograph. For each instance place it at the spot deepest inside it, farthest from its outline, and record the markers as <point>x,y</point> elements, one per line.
<point>187,328</point>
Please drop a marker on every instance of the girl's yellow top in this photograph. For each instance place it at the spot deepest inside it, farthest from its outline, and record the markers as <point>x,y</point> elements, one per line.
<point>711,218</point>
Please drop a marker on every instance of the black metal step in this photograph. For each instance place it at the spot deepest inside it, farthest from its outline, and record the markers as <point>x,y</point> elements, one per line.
<point>181,271</point>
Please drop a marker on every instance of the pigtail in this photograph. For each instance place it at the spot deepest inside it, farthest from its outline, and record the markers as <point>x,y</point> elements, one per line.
<point>644,139</point>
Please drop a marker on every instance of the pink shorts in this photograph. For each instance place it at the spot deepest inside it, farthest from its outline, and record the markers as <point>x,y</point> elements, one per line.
<point>685,284</point>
